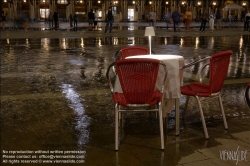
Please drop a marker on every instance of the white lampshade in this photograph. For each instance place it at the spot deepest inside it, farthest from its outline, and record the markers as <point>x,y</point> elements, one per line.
<point>149,31</point>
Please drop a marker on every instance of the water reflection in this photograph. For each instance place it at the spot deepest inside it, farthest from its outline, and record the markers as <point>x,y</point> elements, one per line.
<point>82,120</point>
<point>45,68</point>
<point>191,48</point>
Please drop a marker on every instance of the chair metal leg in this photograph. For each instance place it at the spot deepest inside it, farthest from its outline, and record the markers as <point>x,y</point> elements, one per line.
<point>119,116</point>
<point>202,117</point>
<point>177,117</point>
<point>186,105</point>
<point>161,125</point>
<point>116,127</point>
<point>223,113</point>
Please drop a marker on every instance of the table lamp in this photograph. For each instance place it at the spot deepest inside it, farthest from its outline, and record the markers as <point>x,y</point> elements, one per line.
<point>149,31</point>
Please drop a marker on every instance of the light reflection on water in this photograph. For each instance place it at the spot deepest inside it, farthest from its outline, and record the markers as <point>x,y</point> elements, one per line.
<point>71,65</point>
<point>88,50</point>
<point>210,42</point>
<point>82,120</point>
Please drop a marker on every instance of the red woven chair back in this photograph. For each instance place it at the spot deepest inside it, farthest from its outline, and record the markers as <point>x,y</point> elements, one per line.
<point>137,78</point>
<point>218,70</point>
<point>133,50</point>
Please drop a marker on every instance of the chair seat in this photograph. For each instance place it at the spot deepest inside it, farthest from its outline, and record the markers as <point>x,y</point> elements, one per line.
<point>119,98</point>
<point>196,89</point>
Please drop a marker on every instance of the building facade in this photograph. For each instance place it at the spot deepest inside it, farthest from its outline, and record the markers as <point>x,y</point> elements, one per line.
<point>125,10</point>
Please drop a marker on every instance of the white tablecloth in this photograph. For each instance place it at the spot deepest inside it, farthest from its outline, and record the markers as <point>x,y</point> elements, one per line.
<point>173,81</point>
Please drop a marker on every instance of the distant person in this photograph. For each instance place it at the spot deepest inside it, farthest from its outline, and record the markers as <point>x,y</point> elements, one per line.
<point>218,18</point>
<point>168,18</point>
<point>50,20</point>
<point>55,17</point>
<point>204,18</point>
<point>3,17</point>
<point>188,19</point>
<point>230,18</point>
<point>71,20</point>
<point>152,17</point>
<point>75,21</point>
<point>58,22</point>
<point>176,18</point>
<point>91,17</point>
<point>96,19</point>
<point>15,22</point>
<point>247,20</point>
<point>23,21</point>
<point>211,21</point>
<point>109,20</point>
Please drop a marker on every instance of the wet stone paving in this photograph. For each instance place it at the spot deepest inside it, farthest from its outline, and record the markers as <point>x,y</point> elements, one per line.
<point>55,96</point>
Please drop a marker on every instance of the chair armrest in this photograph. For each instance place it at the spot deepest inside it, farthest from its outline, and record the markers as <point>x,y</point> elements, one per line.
<point>116,54</point>
<point>247,95</point>
<point>195,62</point>
<point>200,72</point>
<point>111,67</point>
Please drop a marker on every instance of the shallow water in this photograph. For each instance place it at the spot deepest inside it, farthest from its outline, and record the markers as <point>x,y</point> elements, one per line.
<point>54,93</point>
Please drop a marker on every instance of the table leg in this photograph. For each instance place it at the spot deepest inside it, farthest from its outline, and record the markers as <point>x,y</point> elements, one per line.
<point>177,117</point>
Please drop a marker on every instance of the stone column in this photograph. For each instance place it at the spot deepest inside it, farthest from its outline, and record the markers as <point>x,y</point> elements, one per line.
<point>207,5</point>
<point>87,6</point>
<point>10,11</point>
<point>103,11</point>
<point>31,11</point>
<point>124,10</point>
<point>73,6</point>
<point>90,4</point>
<point>158,11</point>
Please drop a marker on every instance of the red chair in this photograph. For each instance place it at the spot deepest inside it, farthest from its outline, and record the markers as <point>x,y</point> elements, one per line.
<point>247,95</point>
<point>137,79</point>
<point>218,64</point>
<point>131,51</point>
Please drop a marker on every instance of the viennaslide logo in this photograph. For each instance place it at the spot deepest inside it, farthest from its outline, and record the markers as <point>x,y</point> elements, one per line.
<point>234,155</point>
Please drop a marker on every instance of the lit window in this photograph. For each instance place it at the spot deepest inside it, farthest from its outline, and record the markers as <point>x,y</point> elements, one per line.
<point>44,1</point>
<point>62,1</point>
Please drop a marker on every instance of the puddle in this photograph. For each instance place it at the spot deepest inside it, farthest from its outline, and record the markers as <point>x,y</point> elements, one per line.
<point>54,92</point>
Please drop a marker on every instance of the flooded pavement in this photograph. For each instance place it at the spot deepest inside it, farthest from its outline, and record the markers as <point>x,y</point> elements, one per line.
<point>55,96</point>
